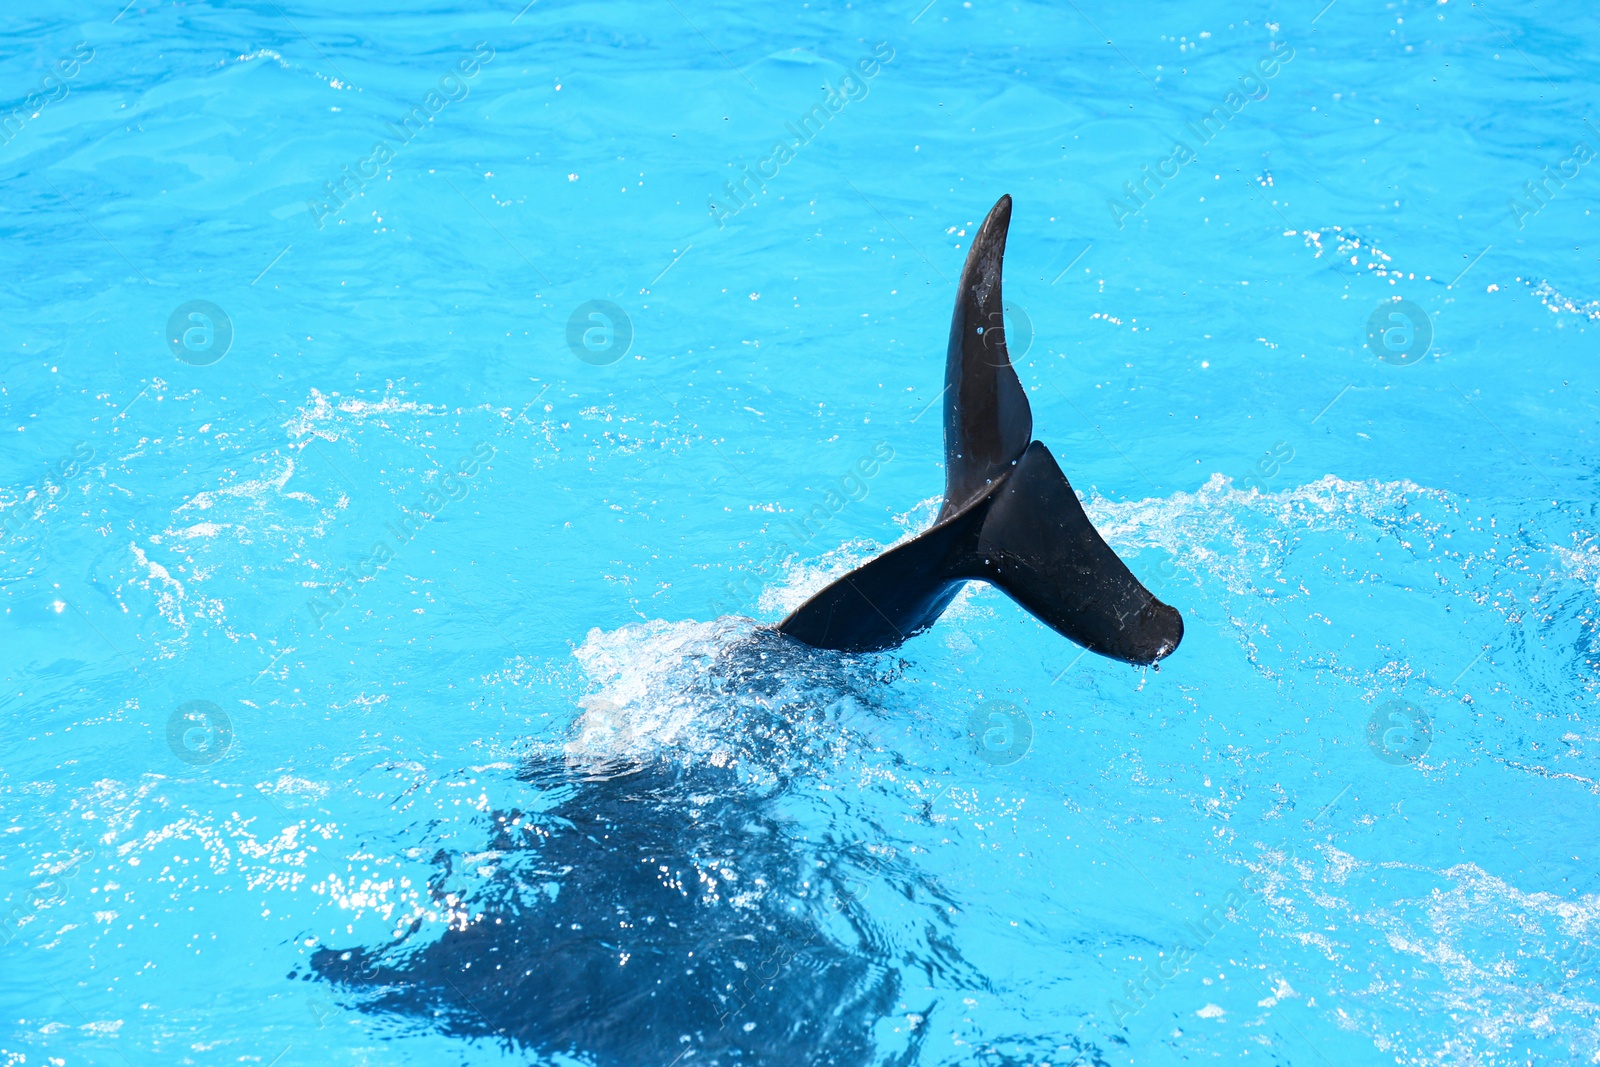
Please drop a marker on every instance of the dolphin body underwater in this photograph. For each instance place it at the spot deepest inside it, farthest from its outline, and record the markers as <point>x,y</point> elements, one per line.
<point>681,907</point>
<point>1009,518</point>
<point>699,899</point>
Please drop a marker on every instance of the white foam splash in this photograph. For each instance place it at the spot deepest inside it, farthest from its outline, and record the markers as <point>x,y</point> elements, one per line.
<point>1510,960</point>
<point>1581,564</point>
<point>1350,249</point>
<point>1217,529</point>
<point>642,704</point>
<point>1553,299</point>
<point>255,490</point>
<point>1229,533</point>
<point>726,694</point>
<point>803,578</point>
<point>325,417</point>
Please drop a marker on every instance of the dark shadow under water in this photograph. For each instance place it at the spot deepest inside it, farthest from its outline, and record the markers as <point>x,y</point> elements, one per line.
<point>666,910</point>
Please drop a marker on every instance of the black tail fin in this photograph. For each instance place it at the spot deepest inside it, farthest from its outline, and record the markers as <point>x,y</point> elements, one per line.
<point>1010,517</point>
<point>987,421</point>
<point>1038,545</point>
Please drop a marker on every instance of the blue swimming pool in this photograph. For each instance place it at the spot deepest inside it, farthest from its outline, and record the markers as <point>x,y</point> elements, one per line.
<point>421,414</point>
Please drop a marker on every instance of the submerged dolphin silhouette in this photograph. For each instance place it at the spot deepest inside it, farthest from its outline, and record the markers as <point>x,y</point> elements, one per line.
<point>1010,517</point>
<point>700,897</point>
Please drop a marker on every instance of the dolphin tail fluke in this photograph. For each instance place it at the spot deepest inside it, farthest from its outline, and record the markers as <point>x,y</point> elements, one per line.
<point>1030,538</point>
<point>899,594</point>
<point>1038,545</point>
<point>1009,517</point>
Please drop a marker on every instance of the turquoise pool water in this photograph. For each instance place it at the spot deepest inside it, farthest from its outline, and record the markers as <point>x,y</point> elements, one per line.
<point>414,412</point>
